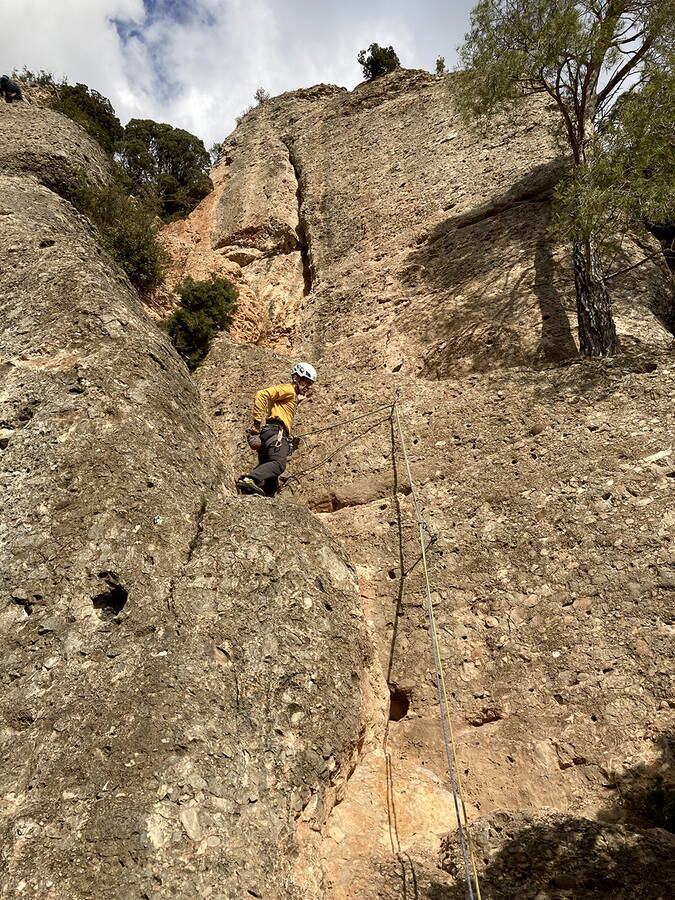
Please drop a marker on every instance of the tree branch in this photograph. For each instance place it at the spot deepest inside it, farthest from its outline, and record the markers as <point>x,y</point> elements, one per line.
<point>634,266</point>
<point>574,144</point>
<point>623,71</point>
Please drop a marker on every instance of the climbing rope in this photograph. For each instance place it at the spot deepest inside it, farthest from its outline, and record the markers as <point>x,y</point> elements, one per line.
<point>465,841</point>
<point>345,421</point>
<point>297,475</point>
<point>454,769</point>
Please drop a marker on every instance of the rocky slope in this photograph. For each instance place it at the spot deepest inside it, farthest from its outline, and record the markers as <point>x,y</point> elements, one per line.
<point>214,696</point>
<point>184,674</point>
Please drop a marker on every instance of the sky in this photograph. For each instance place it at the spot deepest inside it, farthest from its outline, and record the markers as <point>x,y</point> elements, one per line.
<point>197,63</point>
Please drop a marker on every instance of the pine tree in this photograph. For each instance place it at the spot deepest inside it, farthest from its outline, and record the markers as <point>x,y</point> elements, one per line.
<point>607,65</point>
<point>378,60</point>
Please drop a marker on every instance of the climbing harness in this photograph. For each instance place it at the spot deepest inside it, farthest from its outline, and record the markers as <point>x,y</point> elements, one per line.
<point>454,769</point>
<point>454,772</point>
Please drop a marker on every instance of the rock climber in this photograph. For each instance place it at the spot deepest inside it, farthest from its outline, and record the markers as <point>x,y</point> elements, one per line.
<point>10,90</point>
<point>275,406</point>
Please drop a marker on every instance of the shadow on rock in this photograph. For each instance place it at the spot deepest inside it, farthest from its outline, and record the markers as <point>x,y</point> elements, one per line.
<point>646,793</point>
<point>552,855</point>
<point>483,268</point>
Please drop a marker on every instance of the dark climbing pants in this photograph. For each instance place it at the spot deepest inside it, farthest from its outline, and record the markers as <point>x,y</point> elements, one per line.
<point>272,458</point>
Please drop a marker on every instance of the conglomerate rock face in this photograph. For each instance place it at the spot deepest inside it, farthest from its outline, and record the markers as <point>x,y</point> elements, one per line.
<point>39,142</point>
<point>549,496</point>
<point>548,488</point>
<point>376,226</point>
<point>184,674</point>
<point>213,696</point>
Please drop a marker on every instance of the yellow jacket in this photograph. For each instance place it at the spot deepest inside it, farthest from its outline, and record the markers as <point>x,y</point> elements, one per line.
<point>278,402</point>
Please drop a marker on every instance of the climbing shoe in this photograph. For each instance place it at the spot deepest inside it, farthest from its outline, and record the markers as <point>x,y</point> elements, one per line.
<point>248,485</point>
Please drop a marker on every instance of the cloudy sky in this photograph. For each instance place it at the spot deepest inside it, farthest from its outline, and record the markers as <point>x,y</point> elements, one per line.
<point>197,63</point>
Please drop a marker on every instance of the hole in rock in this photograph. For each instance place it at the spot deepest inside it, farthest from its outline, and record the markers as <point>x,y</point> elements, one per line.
<point>27,605</point>
<point>399,704</point>
<point>112,601</point>
<point>392,573</point>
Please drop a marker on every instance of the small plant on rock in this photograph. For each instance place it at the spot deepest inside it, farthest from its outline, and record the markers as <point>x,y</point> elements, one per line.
<point>215,150</point>
<point>206,307</point>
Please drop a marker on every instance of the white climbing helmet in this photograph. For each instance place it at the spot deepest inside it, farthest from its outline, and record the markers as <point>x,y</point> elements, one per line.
<point>304,370</point>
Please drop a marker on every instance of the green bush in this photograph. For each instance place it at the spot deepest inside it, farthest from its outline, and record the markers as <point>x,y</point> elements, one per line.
<point>37,79</point>
<point>206,308</point>
<point>378,60</point>
<point>92,111</point>
<point>133,244</point>
<point>127,229</point>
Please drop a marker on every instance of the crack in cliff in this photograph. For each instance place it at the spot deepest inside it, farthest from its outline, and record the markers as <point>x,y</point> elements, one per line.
<point>195,541</point>
<point>301,228</point>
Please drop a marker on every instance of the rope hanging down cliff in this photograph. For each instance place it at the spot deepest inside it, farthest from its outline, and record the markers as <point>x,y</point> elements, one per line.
<point>454,769</point>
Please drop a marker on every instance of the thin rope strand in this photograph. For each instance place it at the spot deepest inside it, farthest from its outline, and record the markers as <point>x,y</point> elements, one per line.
<point>446,725</point>
<point>345,422</point>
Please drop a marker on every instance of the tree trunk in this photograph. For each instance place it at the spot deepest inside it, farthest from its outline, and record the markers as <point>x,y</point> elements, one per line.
<point>597,333</point>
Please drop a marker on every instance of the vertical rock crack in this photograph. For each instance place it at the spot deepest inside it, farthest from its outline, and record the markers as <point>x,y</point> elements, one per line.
<point>301,228</point>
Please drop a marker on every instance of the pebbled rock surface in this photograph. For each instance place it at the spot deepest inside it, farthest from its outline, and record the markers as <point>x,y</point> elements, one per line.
<point>184,673</point>
<point>206,695</point>
<point>39,142</point>
<point>549,486</point>
<point>373,225</point>
<point>551,497</point>
<point>551,855</point>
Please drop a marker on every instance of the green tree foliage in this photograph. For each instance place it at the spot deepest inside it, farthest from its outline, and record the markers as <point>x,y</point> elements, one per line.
<point>206,307</point>
<point>261,96</point>
<point>92,111</point>
<point>127,229</point>
<point>440,66</point>
<point>631,181</point>
<point>607,67</point>
<point>377,60</point>
<point>167,162</point>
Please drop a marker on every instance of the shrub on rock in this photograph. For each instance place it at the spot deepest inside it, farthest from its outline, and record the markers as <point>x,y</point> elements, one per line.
<point>378,60</point>
<point>127,228</point>
<point>206,308</point>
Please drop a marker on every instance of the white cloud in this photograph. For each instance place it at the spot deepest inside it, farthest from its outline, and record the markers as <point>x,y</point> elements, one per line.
<point>199,69</point>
